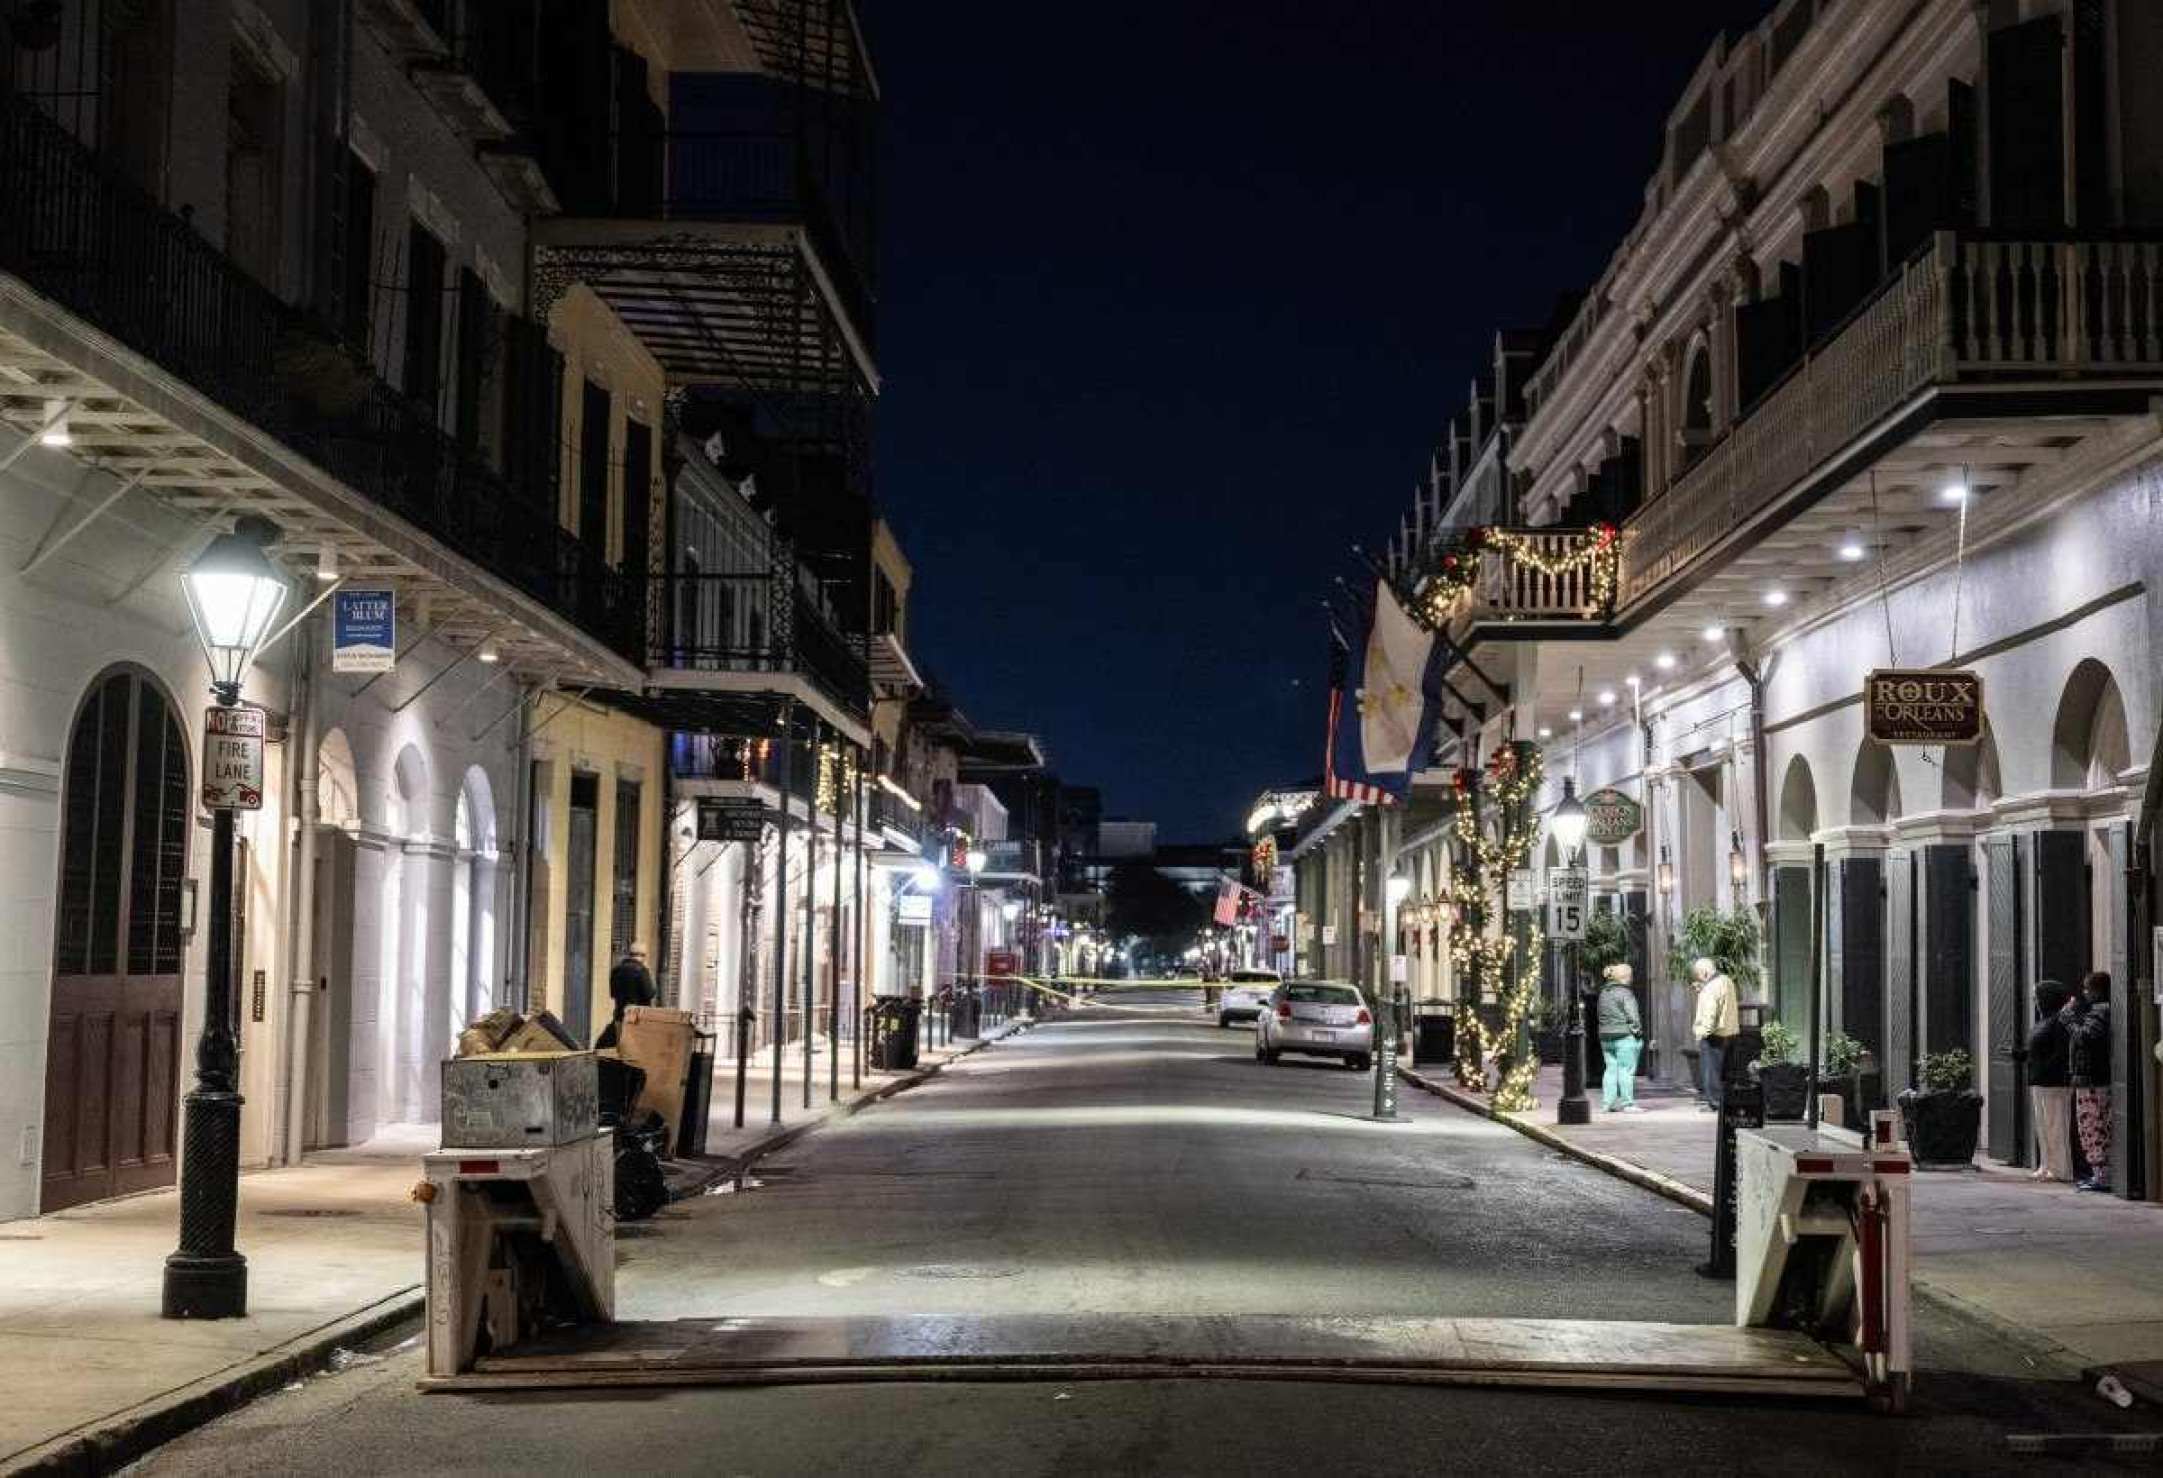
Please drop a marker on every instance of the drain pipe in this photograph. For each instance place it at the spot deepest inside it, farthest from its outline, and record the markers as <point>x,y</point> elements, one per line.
<point>1753,673</point>
<point>300,970</point>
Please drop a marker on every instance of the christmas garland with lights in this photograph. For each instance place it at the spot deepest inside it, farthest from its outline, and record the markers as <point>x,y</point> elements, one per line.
<point>1456,570</point>
<point>1497,963</point>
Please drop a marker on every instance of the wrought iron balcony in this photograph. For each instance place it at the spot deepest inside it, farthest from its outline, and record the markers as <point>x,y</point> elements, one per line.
<point>748,633</point>
<point>88,239</point>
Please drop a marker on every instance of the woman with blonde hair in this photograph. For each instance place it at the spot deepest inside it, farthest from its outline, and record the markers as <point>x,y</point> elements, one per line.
<point>1622,1036</point>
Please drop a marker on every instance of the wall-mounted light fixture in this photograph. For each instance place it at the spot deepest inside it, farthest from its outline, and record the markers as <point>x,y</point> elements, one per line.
<point>1738,866</point>
<point>1664,878</point>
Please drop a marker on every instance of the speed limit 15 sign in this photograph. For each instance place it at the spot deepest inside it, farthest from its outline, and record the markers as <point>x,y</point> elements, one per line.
<point>1566,905</point>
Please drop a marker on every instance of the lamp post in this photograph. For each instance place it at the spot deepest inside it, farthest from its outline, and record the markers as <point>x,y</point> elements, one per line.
<point>234,593</point>
<point>1568,828</point>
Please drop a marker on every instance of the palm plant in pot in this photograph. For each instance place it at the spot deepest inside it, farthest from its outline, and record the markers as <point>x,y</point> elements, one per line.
<point>1943,1116</point>
<point>1554,1021</point>
<point>1841,1060</point>
<point>1784,1078</point>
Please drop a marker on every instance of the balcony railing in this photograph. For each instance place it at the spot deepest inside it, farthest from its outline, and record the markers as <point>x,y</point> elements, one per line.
<point>1554,575</point>
<point>720,176</point>
<point>1964,310</point>
<point>729,623</point>
<point>90,240</point>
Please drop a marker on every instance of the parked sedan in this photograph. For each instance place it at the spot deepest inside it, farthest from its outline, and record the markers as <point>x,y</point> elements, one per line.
<point>1247,995</point>
<point>1319,1018</point>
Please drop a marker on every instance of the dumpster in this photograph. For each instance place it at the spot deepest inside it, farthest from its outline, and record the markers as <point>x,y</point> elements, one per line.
<point>1435,1037</point>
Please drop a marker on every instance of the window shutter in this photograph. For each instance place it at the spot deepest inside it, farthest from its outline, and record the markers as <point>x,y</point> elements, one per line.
<point>2027,125</point>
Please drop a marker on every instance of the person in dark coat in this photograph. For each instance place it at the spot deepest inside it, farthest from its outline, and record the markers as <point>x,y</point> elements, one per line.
<point>631,983</point>
<point>2050,1085</point>
<point>2088,1058</point>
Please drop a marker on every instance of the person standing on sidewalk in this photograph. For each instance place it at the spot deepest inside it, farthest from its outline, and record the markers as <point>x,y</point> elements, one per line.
<point>2050,1090</point>
<point>2090,1062</point>
<point>630,984</point>
<point>1718,1018</point>
<point>1622,1035</point>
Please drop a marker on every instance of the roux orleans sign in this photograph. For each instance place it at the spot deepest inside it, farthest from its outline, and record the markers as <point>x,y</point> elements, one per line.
<point>1611,818</point>
<point>1901,706</point>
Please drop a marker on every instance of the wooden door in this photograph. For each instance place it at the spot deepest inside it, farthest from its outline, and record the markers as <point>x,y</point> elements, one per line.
<point>112,1063</point>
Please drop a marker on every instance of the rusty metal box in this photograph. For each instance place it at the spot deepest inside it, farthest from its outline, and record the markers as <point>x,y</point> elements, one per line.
<point>508,1100</point>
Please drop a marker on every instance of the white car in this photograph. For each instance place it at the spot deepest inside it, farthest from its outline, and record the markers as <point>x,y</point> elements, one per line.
<point>1246,995</point>
<point>1320,1018</point>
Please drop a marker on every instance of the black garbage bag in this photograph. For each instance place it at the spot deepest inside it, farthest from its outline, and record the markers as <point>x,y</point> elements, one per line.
<point>641,1188</point>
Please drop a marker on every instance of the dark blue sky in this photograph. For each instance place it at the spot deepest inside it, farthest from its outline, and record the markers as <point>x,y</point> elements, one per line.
<point>1175,299</point>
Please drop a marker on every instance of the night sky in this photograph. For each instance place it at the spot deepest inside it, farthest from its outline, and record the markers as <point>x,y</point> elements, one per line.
<point>1176,298</point>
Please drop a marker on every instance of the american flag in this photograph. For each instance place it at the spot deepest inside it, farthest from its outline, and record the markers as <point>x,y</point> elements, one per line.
<point>1334,785</point>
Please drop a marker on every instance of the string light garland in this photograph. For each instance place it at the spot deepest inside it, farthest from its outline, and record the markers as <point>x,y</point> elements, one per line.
<point>1504,968</point>
<point>1456,572</point>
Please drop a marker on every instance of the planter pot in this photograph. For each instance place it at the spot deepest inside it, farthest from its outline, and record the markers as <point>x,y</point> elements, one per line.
<point>1787,1090</point>
<point>1942,1126</point>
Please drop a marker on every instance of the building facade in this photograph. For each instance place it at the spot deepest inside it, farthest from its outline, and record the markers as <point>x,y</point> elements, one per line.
<point>415,305</point>
<point>1867,386</point>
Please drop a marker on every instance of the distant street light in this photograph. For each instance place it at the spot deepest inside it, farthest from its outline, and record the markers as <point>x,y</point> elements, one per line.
<point>234,593</point>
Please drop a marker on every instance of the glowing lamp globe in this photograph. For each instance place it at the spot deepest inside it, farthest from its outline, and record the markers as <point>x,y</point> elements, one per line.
<point>234,594</point>
<point>1568,822</point>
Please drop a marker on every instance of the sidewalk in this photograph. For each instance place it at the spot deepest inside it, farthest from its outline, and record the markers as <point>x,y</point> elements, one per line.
<point>94,1375</point>
<point>2079,1272</point>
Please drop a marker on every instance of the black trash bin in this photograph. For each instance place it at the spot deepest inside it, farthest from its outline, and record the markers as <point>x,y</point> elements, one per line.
<point>1435,1037</point>
<point>893,1034</point>
<point>967,1014</point>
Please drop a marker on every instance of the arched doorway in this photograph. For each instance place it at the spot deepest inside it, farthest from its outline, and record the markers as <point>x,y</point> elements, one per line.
<point>473,900</point>
<point>112,1051</point>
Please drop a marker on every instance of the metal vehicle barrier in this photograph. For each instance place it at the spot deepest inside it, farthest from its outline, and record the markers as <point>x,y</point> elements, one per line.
<point>1822,1245</point>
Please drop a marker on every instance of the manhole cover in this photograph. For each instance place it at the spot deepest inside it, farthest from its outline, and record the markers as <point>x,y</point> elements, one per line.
<point>1402,1183</point>
<point>959,1270</point>
<point>314,1212</point>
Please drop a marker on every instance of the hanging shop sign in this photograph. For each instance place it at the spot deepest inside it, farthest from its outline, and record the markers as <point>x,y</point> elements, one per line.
<point>363,630</point>
<point>1924,706</point>
<point>1002,962</point>
<point>913,908</point>
<point>233,759</point>
<point>1612,818</point>
<point>730,818</point>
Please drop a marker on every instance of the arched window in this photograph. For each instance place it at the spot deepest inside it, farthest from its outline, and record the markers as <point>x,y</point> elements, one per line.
<point>113,1046</point>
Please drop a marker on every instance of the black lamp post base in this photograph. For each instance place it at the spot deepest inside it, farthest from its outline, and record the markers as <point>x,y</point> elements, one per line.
<point>1576,1110</point>
<point>206,1287</point>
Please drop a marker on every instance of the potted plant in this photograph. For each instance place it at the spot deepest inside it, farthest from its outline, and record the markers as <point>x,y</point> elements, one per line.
<point>1554,1021</point>
<point>1944,1116</point>
<point>1841,1060</point>
<point>1784,1079</point>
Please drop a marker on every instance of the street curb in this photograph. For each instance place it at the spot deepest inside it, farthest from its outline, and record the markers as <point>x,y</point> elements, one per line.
<point>122,1437</point>
<point>1651,1180</point>
<point>849,1107</point>
<point>2031,1342</point>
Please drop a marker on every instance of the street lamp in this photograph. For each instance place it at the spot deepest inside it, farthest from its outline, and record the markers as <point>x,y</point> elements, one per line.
<point>234,593</point>
<point>1567,825</point>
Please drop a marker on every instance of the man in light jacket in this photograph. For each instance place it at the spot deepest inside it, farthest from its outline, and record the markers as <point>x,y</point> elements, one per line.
<point>1717,1020</point>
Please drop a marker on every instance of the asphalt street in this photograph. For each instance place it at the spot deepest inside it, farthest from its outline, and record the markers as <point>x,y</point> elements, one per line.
<point>1134,1159</point>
